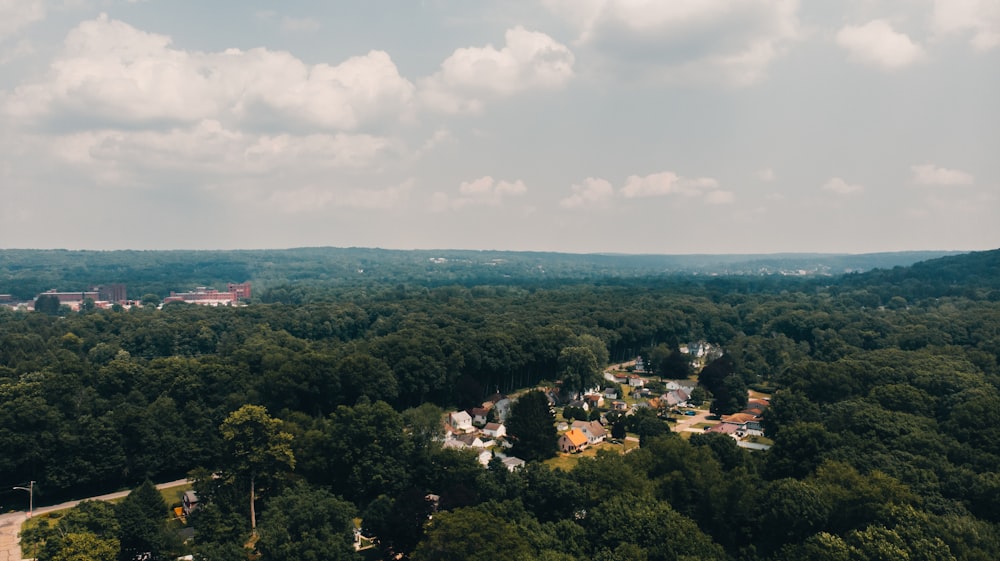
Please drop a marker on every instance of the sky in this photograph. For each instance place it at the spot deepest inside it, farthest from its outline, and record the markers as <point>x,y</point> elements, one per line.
<point>583,126</point>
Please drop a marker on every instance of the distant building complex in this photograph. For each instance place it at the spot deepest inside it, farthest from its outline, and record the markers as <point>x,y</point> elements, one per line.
<point>105,296</point>
<point>234,294</point>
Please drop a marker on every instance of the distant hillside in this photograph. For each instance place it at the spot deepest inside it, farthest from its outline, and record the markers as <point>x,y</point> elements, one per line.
<point>25,273</point>
<point>975,274</point>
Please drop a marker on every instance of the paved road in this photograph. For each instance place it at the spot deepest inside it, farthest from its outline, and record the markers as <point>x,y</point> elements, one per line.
<point>10,524</point>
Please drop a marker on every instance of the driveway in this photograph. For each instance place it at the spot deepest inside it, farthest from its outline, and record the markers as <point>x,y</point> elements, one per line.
<point>687,423</point>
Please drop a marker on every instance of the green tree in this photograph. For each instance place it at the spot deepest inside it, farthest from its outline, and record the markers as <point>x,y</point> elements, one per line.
<point>398,523</point>
<point>578,369</point>
<point>596,346</point>
<point>469,534</point>
<point>255,448</point>
<point>309,525</point>
<point>47,304</point>
<point>360,452</point>
<point>531,427</point>
<point>647,425</point>
<point>86,547</point>
<point>141,518</point>
<point>790,511</point>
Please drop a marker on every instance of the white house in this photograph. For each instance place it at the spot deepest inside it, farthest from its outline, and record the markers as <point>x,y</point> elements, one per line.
<point>495,430</point>
<point>460,421</point>
<point>593,430</point>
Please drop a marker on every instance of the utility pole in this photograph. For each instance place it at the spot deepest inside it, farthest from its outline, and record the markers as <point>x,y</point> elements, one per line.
<point>31,497</point>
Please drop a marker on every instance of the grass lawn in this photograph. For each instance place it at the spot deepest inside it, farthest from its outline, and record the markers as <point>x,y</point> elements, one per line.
<point>172,495</point>
<point>567,462</point>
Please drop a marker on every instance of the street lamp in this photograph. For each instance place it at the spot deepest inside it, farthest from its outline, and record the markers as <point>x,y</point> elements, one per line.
<point>31,497</point>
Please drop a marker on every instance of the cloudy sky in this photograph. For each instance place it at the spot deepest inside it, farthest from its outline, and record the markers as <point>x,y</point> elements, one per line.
<point>660,126</point>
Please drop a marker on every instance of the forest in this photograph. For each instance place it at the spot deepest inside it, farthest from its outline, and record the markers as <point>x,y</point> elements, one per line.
<point>24,273</point>
<point>321,403</point>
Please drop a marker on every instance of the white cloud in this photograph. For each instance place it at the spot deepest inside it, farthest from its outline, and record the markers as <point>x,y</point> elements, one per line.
<point>841,187</point>
<point>113,73</point>
<point>929,174</point>
<point>591,191</point>
<point>766,175</point>
<point>685,39</point>
<point>471,76</point>
<point>212,153</point>
<point>16,14</point>
<point>720,197</point>
<point>980,18</point>
<point>596,191</point>
<point>877,43</point>
<point>484,191</point>
<point>665,183</point>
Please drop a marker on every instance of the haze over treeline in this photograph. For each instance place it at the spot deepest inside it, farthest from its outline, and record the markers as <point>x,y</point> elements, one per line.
<point>27,272</point>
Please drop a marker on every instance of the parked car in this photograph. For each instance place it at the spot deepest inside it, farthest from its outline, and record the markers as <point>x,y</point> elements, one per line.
<point>690,413</point>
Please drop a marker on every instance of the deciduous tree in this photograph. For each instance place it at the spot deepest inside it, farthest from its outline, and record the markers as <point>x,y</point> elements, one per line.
<point>255,448</point>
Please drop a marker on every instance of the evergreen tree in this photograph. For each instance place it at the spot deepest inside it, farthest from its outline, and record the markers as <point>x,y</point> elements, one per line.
<point>531,427</point>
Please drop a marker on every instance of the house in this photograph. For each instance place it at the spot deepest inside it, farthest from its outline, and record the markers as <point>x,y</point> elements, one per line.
<point>640,366</point>
<point>593,430</point>
<point>464,441</point>
<point>572,440</point>
<point>509,462</point>
<point>620,378</point>
<point>479,415</point>
<point>686,385</point>
<point>512,463</point>
<point>675,398</point>
<point>460,421</point>
<point>579,404</point>
<point>484,457</point>
<point>594,400</point>
<point>502,407</point>
<point>636,381</point>
<point>189,502</point>
<point>495,430</point>
<point>610,393</point>
<point>725,428</point>
<point>745,423</point>
<point>619,405</point>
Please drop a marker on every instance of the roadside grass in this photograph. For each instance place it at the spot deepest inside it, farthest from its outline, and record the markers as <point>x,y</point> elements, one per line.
<point>47,520</point>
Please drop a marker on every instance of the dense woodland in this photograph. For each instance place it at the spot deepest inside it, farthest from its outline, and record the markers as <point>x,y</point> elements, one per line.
<point>324,399</point>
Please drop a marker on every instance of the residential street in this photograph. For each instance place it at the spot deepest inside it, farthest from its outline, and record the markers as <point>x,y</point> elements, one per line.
<point>10,524</point>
